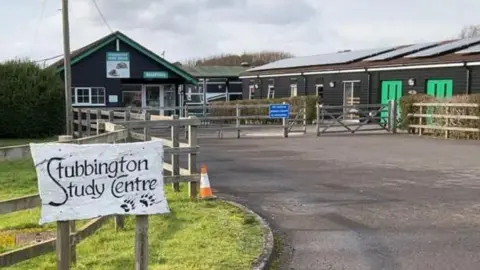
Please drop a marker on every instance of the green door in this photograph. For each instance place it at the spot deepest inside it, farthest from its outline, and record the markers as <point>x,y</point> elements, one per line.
<point>438,89</point>
<point>390,90</point>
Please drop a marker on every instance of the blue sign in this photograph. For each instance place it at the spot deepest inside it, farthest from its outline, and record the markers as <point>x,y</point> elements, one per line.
<point>279,111</point>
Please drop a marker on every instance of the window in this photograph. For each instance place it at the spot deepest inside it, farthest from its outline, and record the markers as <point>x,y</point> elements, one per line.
<point>88,96</point>
<point>293,90</point>
<point>319,90</point>
<point>271,91</point>
<point>251,91</point>
<point>349,99</point>
<point>132,98</point>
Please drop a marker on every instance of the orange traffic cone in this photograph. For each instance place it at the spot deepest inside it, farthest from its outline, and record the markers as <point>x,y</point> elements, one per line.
<point>205,190</point>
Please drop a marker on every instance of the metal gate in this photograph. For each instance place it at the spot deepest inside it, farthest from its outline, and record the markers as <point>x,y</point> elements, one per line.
<point>357,118</point>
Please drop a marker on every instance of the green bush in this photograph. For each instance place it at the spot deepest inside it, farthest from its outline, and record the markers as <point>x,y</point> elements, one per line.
<point>31,101</point>
<point>407,107</point>
<point>295,103</point>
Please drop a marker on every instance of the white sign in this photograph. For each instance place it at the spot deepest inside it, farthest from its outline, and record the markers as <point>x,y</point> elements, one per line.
<point>88,181</point>
<point>118,65</point>
<point>113,98</point>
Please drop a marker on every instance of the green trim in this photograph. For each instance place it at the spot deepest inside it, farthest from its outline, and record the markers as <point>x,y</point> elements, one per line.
<point>89,52</point>
<point>139,48</point>
<point>155,57</point>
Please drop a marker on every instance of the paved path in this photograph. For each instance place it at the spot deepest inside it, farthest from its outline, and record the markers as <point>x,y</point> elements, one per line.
<point>358,202</point>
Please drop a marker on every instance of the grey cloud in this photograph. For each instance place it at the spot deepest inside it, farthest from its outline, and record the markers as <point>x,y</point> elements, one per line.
<point>180,16</point>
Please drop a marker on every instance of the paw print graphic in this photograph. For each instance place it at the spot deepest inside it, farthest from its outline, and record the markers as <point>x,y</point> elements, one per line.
<point>147,200</point>
<point>128,205</point>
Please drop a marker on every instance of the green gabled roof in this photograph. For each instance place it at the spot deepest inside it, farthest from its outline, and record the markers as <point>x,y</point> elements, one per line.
<point>84,52</point>
<point>215,71</point>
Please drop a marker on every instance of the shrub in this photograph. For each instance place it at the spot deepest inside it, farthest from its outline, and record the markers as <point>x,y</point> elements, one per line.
<point>295,104</point>
<point>31,101</point>
<point>406,105</point>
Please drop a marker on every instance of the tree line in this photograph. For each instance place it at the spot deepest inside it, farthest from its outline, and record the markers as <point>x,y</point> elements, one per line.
<point>252,58</point>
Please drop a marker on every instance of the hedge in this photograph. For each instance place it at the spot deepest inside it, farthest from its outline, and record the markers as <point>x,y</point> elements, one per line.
<point>407,107</point>
<point>295,102</point>
<point>31,101</point>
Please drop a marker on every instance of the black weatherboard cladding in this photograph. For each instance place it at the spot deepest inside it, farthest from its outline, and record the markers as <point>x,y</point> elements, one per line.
<point>457,74</point>
<point>281,86</point>
<point>91,71</point>
<point>474,80</point>
<point>334,95</point>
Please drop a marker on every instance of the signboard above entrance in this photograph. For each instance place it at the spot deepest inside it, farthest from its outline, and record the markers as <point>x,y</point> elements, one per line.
<point>88,181</point>
<point>155,75</point>
<point>118,65</point>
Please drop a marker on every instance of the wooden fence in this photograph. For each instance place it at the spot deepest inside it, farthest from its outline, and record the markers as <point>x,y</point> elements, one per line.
<point>118,132</point>
<point>220,118</point>
<point>445,118</point>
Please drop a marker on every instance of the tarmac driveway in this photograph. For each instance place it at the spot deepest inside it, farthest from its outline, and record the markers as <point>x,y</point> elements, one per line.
<point>358,202</point>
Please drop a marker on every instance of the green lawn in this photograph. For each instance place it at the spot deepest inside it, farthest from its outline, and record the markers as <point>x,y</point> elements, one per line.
<point>196,235</point>
<point>17,178</point>
<point>11,142</point>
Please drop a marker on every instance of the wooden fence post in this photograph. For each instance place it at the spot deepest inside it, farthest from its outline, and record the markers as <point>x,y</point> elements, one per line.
<point>141,242</point>
<point>111,116</point>
<point>420,122</point>
<point>447,110</point>
<point>318,118</point>
<point>127,116</point>
<point>99,120</point>
<point>305,117</point>
<point>392,116</point>
<point>175,158</point>
<point>89,123</point>
<point>63,247</point>
<point>238,120</point>
<point>141,226</point>
<point>73,244</point>
<point>80,123</point>
<point>285,125</point>
<point>192,159</point>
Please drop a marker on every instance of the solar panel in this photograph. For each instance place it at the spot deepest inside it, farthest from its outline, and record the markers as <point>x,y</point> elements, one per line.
<point>402,51</point>
<point>473,49</point>
<point>322,59</point>
<point>459,44</point>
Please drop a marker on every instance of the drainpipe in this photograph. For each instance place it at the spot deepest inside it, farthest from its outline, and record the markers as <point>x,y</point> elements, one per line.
<point>369,85</point>
<point>468,80</point>
<point>305,84</point>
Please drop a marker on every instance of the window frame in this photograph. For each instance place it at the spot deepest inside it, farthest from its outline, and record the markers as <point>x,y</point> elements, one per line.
<point>294,86</point>
<point>89,103</point>
<point>317,87</point>
<point>251,94</point>
<point>271,91</point>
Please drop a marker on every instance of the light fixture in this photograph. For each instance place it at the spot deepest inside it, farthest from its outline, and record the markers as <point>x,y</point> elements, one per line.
<point>411,82</point>
<point>332,84</point>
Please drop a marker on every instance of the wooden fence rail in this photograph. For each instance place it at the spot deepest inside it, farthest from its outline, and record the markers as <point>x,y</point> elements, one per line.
<point>423,119</point>
<point>118,132</point>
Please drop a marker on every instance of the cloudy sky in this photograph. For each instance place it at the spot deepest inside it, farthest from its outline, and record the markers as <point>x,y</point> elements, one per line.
<point>196,28</point>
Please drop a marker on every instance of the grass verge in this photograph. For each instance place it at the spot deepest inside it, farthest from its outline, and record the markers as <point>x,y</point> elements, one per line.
<point>12,142</point>
<point>195,235</point>
<point>17,178</point>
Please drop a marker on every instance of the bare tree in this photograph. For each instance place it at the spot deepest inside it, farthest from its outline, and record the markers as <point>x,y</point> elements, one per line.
<point>470,31</point>
<point>254,59</point>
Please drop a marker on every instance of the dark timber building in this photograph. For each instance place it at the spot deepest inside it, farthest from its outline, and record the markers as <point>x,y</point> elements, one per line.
<point>440,69</point>
<point>221,83</point>
<point>116,71</point>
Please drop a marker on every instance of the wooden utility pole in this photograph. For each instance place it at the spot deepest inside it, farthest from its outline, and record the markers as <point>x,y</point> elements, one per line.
<point>67,70</point>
